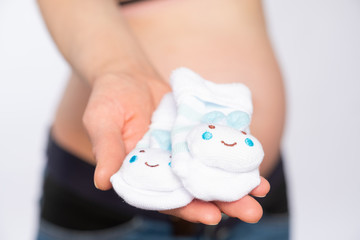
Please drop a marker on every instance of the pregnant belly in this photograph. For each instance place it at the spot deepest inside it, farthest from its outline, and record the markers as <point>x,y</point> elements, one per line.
<point>224,41</point>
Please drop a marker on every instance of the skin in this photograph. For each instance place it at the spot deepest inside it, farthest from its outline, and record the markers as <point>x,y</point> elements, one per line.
<point>121,58</point>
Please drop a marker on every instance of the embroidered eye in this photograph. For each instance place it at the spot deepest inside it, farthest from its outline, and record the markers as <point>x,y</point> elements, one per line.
<point>207,135</point>
<point>249,142</point>
<point>243,132</point>
<point>133,159</point>
<point>170,164</point>
<point>211,126</point>
<point>142,151</point>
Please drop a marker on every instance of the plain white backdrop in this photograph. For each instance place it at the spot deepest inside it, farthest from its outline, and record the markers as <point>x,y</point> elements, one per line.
<point>317,44</point>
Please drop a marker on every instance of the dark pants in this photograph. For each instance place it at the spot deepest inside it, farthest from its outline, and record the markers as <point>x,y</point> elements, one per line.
<point>72,208</point>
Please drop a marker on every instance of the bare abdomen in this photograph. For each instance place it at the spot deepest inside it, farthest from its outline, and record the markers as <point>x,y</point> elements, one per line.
<point>224,41</point>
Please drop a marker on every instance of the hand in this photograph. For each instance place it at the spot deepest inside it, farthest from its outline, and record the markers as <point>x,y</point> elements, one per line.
<point>246,209</point>
<point>117,116</point>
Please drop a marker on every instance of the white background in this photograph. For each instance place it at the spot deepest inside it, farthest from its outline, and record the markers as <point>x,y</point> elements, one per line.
<point>317,44</point>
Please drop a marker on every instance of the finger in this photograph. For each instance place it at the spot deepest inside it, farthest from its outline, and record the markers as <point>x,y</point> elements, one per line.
<point>109,151</point>
<point>111,142</point>
<point>198,211</point>
<point>246,209</point>
<point>262,189</point>
<point>104,125</point>
<point>134,130</point>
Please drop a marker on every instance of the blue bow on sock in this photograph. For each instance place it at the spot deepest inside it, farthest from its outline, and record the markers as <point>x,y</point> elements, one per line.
<point>236,119</point>
<point>163,138</point>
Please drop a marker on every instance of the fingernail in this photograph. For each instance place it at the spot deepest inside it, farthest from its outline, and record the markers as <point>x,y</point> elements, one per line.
<point>261,196</point>
<point>212,224</point>
<point>95,185</point>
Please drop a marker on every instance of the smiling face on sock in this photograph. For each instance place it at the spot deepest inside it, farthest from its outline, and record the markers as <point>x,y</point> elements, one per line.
<point>225,147</point>
<point>149,169</point>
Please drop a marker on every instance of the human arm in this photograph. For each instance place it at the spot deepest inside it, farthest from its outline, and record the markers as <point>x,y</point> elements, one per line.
<point>96,41</point>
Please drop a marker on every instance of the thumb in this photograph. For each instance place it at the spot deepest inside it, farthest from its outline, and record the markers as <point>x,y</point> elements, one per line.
<point>109,152</point>
<point>110,148</point>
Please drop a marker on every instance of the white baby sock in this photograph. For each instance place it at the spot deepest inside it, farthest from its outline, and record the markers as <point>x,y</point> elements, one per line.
<point>213,152</point>
<point>145,179</point>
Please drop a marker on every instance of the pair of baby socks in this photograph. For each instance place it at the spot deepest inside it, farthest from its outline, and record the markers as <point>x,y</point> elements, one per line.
<point>199,146</point>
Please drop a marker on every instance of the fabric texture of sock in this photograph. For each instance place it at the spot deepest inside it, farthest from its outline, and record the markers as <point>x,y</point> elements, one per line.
<point>145,179</point>
<point>213,152</point>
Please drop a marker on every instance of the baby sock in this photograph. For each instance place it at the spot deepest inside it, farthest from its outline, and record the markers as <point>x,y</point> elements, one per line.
<point>145,179</point>
<point>213,152</point>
